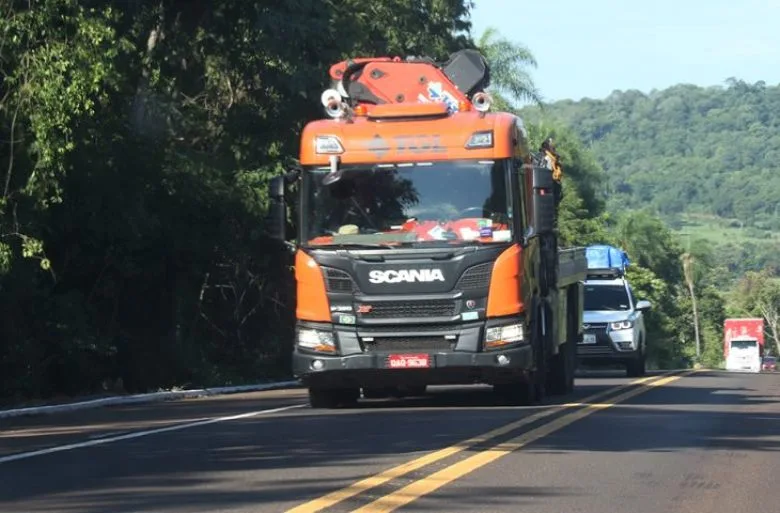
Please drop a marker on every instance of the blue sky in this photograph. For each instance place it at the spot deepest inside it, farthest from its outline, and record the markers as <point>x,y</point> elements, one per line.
<point>591,48</point>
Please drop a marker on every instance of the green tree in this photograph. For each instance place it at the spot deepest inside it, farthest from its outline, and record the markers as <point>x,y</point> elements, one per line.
<point>136,142</point>
<point>510,79</point>
<point>757,294</point>
<point>688,263</point>
<point>663,348</point>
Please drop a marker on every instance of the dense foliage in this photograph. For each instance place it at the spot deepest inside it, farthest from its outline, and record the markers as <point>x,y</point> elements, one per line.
<point>136,139</point>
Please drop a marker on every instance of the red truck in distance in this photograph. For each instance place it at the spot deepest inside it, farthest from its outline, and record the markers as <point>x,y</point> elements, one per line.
<point>743,345</point>
<point>749,327</point>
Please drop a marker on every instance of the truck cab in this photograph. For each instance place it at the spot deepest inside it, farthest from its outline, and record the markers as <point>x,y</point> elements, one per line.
<point>614,323</point>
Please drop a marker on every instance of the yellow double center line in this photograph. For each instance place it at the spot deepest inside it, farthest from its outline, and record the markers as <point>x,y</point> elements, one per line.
<point>457,470</point>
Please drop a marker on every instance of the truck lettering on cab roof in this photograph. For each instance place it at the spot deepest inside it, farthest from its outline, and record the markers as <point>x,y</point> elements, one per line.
<point>378,146</point>
<point>406,144</point>
<point>419,144</point>
<point>405,275</point>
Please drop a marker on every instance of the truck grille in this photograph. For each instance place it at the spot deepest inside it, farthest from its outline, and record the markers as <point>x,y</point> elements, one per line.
<point>476,277</point>
<point>403,309</point>
<point>406,329</point>
<point>337,280</point>
<point>411,343</point>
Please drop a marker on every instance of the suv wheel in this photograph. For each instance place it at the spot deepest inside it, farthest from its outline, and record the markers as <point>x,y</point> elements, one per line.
<point>636,368</point>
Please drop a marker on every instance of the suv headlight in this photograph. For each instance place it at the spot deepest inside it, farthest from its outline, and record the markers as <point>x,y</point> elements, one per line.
<point>621,325</point>
<point>501,336</point>
<point>316,340</point>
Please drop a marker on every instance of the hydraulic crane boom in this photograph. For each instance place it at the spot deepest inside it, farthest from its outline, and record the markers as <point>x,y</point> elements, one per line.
<point>382,80</point>
<point>414,79</point>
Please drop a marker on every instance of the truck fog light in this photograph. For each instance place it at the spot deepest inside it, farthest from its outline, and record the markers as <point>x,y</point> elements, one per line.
<point>503,359</point>
<point>317,365</point>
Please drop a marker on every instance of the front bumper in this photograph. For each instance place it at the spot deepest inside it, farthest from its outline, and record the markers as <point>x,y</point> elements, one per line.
<point>610,346</point>
<point>455,356</point>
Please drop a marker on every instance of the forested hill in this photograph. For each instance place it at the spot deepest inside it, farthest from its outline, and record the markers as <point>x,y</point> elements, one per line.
<point>687,149</point>
<point>705,159</point>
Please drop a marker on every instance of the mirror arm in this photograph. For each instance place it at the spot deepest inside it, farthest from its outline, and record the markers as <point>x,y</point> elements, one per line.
<point>292,176</point>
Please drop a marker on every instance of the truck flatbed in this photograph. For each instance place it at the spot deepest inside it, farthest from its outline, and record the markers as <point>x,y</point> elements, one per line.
<point>572,266</point>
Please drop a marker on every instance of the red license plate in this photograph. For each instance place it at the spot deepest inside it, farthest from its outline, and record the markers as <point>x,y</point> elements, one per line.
<point>408,361</point>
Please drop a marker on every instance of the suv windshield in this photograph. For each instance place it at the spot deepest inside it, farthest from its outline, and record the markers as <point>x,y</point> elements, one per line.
<point>451,201</point>
<point>606,297</point>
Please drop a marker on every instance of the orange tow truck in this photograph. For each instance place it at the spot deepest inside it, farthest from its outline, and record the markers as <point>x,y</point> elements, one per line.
<point>426,250</point>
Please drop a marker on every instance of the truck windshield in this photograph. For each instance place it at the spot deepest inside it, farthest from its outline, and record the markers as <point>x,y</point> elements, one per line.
<point>744,345</point>
<point>451,202</point>
<point>606,298</point>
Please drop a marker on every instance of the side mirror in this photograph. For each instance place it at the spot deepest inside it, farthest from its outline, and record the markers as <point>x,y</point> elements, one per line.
<point>643,305</point>
<point>276,220</point>
<point>542,201</point>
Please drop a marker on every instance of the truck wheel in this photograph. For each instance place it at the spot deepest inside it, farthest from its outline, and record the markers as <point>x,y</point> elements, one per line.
<point>541,342</point>
<point>329,398</point>
<point>561,376</point>
<point>563,366</point>
<point>533,389</point>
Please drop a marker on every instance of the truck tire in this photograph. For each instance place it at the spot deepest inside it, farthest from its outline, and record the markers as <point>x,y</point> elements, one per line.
<point>328,398</point>
<point>562,367</point>
<point>541,330</point>
<point>533,389</point>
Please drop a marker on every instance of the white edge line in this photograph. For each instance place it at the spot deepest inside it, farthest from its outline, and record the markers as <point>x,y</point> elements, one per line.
<point>142,398</point>
<point>139,434</point>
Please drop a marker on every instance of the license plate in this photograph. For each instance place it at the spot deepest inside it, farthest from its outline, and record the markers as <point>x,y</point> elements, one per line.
<point>588,338</point>
<point>408,361</point>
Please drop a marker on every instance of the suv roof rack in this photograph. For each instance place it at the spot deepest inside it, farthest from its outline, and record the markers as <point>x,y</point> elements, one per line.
<point>610,273</point>
<point>606,262</point>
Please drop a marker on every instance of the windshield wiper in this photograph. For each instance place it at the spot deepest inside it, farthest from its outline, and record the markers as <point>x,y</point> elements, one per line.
<point>366,245</point>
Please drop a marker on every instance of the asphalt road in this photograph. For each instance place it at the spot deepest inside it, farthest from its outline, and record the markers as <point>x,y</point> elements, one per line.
<point>702,442</point>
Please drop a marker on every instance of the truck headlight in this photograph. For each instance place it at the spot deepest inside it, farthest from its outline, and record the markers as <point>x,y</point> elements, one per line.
<point>316,340</point>
<point>501,336</point>
<point>621,325</point>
